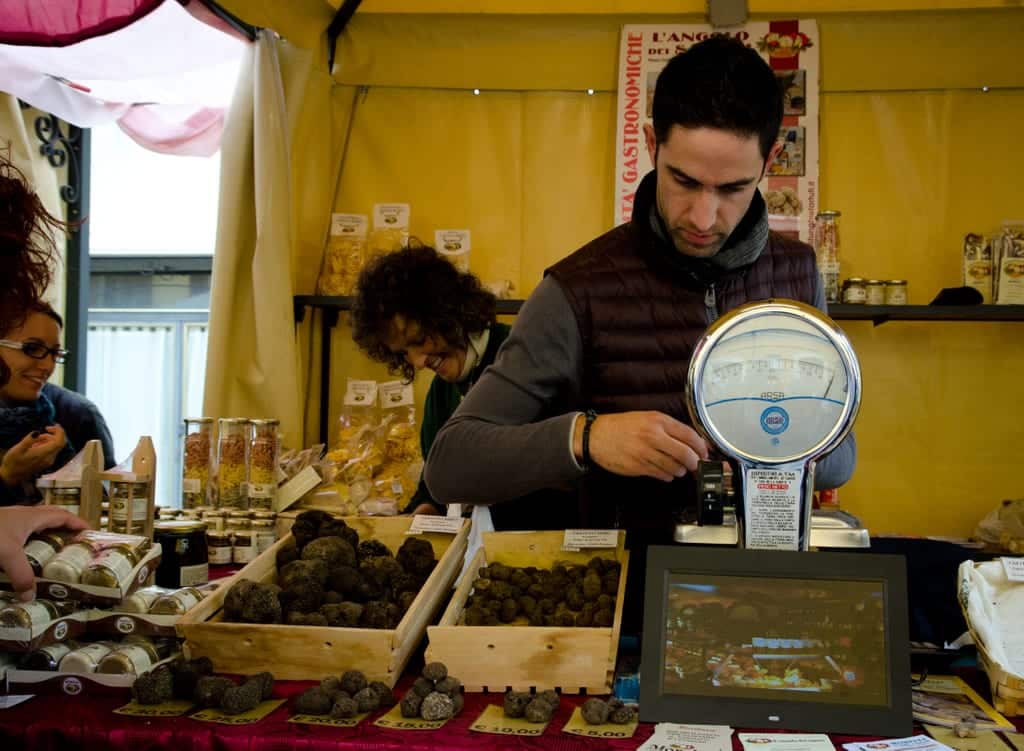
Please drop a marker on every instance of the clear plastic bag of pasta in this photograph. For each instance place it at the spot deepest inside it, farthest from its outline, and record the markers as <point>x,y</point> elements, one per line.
<point>390,229</point>
<point>345,254</point>
<point>400,437</point>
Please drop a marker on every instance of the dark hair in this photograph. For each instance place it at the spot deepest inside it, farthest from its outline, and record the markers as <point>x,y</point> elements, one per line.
<point>719,83</point>
<point>422,286</point>
<point>39,306</point>
<point>28,250</point>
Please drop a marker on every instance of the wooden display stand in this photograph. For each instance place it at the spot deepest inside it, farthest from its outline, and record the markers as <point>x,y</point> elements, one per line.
<point>139,467</point>
<point>82,472</point>
<point>521,657</point>
<point>315,652</point>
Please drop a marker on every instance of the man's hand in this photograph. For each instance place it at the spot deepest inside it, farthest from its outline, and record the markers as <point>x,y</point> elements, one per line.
<point>32,455</point>
<point>17,524</point>
<point>426,509</point>
<point>636,444</point>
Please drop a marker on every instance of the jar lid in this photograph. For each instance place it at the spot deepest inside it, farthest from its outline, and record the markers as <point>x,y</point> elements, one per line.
<point>895,281</point>
<point>853,280</point>
<point>179,527</point>
<point>875,281</point>
<point>828,214</point>
<point>200,420</point>
<point>233,421</point>
<point>266,421</point>
<point>241,514</point>
<point>268,515</point>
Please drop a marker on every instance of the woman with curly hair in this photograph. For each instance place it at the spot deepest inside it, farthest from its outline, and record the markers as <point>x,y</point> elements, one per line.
<point>413,311</point>
<point>28,254</point>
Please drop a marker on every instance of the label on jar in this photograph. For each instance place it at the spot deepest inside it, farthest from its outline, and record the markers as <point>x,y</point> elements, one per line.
<point>119,509</point>
<point>895,294</point>
<point>55,652</point>
<point>261,490</point>
<point>38,614</point>
<point>243,553</point>
<point>133,659</point>
<point>184,600</point>
<point>854,294</point>
<point>84,659</point>
<point>38,553</point>
<point>191,485</point>
<point>876,294</point>
<point>264,540</point>
<point>68,564</point>
<point>220,554</point>
<point>119,565</point>
<point>197,574</point>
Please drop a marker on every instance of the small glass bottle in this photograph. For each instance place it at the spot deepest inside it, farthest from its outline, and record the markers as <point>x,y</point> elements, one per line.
<point>69,499</point>
<point>875,292</point>
<point>86,658</point>
<point>896,292</point>
<point>263,455</point>
<point>196,462</point>
<point>129,506</point>
<point>141,600</point>
<point>232,445</point>
<point>855,291</point>
<point>48,657</point>
<point>263,534</point>
<point>219,547</point>
<point>215,519</point>
<point>41,547</point>
<point>178,602</point>
<point>130,658</point>
<point>111,567</point>
<point>29,614</point>
<point>827,249</point>
<point>243,546</point>
<point>69,564</point>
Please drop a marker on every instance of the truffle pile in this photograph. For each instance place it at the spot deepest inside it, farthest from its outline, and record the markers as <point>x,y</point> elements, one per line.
<point>434,696</point>
<point>194,680</point>
<point>571,595</point>
<point>345,696</point>
<point>598,712</point>
<point>331,578</point>
<point>539,707</point>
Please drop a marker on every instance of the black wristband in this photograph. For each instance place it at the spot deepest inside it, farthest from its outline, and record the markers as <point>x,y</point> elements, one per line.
<point>589,417</point>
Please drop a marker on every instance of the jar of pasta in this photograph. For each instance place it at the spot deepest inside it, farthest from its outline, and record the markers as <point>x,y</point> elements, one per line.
<point>197,461</point>
<point>263,455</point>
<point>232,445</point>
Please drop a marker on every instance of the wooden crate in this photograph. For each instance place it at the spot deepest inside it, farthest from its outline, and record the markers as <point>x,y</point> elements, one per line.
<point>314,652</point>
<point>521,657</point>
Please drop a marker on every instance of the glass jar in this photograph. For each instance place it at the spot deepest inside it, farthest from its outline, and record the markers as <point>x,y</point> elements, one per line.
<point>184,561</point>
<point>167,514</point>
<point>896,292</point>
<point>263,455</point>
<point>218,545</point>
<point>48,657</point>
<point>69,564</point>
<point>243,546</point>
<point>132,658</point>
<point>196,462</point>
<point>215,520</point>
<point>28,614</point>
<point>232,445</point>
<point>69,499</point>
<point>129,506</point>
<point>826,235</point>
<point>263,534</point>
<point>875,292</point>
<point>111,567</point>
<point>86,658</point>
<point>177,603</point>
<point>855,291</point>
<point>238,521</point>
<point>141,600</point>
<point>40,548</point>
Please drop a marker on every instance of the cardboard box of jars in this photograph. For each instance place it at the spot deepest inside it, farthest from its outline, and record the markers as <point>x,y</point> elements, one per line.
<point>304,652</point>
<point>573,658</point>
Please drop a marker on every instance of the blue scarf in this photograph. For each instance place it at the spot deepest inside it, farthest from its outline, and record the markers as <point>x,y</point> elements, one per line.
<point>16,422</point>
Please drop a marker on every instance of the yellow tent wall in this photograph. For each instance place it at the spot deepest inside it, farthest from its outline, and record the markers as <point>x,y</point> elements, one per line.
<point>913,153</point>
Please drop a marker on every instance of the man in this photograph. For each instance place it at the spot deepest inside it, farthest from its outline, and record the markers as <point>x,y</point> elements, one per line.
<point>611,328</point>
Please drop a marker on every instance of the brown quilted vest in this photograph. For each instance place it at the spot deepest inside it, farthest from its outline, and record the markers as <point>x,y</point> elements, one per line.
<point>639,317</point>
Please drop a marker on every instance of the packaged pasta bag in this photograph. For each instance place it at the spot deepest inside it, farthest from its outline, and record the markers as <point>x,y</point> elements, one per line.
<point>390,229</point>
<point>343,259</point>
<point>454,244</point>
<point>401,439</point>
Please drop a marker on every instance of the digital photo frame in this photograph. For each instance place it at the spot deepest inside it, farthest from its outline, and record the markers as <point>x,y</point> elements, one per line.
<point>812,641</point>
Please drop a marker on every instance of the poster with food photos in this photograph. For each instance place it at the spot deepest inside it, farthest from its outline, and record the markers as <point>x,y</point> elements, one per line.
<point>791,48</point>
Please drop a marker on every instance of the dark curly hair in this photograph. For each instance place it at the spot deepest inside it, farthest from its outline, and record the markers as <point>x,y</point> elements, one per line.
<point>28,249</point>
<point>422,286</point>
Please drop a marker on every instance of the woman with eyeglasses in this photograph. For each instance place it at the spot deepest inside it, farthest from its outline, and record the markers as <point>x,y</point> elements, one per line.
<point>35,414</point>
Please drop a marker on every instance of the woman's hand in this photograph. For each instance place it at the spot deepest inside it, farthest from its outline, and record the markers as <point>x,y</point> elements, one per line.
<point>32,455</point>
<point>17,524</point>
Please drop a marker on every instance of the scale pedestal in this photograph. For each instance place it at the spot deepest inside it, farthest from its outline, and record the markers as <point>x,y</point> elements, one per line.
<point>829,529</point>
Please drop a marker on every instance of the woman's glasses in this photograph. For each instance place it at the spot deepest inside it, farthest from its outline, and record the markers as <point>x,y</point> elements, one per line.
<point>36,350</point>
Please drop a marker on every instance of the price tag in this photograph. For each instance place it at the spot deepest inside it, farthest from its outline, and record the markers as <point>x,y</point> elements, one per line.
<point>1014,568</point>
<point>394,720</point>
<point>578,726</point>
<point>173,708</point>
<point>445,525</point>
<point>493,720</point>
<point>581,539</point>
<point>326,719</point>
<point>246,718</point>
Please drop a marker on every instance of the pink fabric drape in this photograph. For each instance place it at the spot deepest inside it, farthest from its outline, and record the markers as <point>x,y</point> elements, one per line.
<point>197,135</point>
<point>56,24</point>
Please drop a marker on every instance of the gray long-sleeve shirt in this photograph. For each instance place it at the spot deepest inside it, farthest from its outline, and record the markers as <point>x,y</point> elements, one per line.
<point>512,435</point>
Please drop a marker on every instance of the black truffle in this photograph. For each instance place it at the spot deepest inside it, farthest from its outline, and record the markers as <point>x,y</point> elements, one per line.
<point>551,697</point>
<point>595,712</point>
<point>435,671</point>
<point>422,686</point>
<point>384,692</point>
<point>334,551</point>
<point>266,681</point>
<point>380,614</point>
<point>154,687</point>
<point>239,699</point>
<point>539,710</point>
<point>314,701</point>
<point>448,685</point>
<point>367,699</point>
<point>410,704</point>
<point>261,604</point>
<point>372,549</point>
<point>458,702</point>
<point>344,615</point>
<point>344,579</point>
<point>296,618</point>
<point>331,684</point>
<point>210,690</point>
<point>436,706</point>
<point>187,673</point>
<point>344,708</point>
<point>416,556</point>
<point>234,600</point>
<point>516,702</point>
<point>287,553</point>
<point>353,682</point>
<point>622,715</point>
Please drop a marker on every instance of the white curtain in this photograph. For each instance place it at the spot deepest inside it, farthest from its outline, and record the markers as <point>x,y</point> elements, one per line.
<point>194,366</point>
<point>130,378</point>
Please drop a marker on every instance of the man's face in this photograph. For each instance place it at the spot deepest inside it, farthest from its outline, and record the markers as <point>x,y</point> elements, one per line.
<point>706,181</point>
<point>425,351</point>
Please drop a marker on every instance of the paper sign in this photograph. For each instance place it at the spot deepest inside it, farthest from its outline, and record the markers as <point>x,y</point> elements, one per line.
<point>295,488</point>
<point>493,720</point>
<point>578,726</point>
<point>772,501</point>
<point>445,525</point>
<point>1014,568</point>
<point>914,742</point>
<point>326,719</point>
<point>983,740</point>
<point>669,736</point>
<point>246,718</point>
<point>786,742</point>
<point>581,539</point>
<point>173,708</point>
<point>394,720</point>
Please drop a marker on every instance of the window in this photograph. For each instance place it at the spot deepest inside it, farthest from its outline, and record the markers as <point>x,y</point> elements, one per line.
<point>152,227</point>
